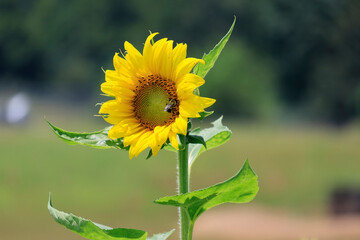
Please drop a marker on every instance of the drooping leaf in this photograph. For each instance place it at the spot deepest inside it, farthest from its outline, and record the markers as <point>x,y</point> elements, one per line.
<point>195,139</point>
<point>161,236</point>
<point>214,137</point>
<point>94,231</point>
<point>97,139</point>
<point>210,58</point>
<point>241,188</point>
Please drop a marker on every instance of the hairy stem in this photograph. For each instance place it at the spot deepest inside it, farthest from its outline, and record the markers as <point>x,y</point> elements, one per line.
<point>191,228</point>
<point>184,187</point>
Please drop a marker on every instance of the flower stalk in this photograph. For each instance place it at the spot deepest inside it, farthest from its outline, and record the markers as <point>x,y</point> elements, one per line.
<point>184,187</point>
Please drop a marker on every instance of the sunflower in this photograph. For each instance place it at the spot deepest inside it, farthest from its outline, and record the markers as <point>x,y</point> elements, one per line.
<point>154,95</point>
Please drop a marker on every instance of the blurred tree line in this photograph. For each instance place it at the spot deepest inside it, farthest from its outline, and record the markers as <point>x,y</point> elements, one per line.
<point>285,58</point>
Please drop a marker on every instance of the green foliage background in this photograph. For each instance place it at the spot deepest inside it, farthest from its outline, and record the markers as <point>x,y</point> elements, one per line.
<point>285,58</point>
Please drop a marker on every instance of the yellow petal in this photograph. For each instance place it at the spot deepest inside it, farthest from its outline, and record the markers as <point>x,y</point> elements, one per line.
<point>191,107</point>
<point>203,101</point>
<point>180,125</point>
<point>154,144</point>
<point>114,106</point>
<point>185,66</point>
<point>155,150</point>
<point>192,79</point>
<point>161,134</point>
<point>154,137</point>
<point>157,51</point>
<point>114,77</point>
<point>135,60</point>
<point>116,111</point>
<point>131,152</point>
<point>187,85</point>
<point>166,68</point>
<point>109,106</point>
<point>164,134</point>
<point>140,145</point>
<point>116,90</point>
<point>117,131</point>
<point>132,138</point>
<point>147,52</point>
<point>121,65</point>
<point>113,119</point>
<point>189,110</point>
<point>123,129</point>
<point>179,54</point>
<point>173,140</point>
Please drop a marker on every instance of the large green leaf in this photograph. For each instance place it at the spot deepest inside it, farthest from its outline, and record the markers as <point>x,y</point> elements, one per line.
<point>210,58</point>
<point>214,137</point>
<point>161,236</point>
<point>91,230</point>
<point>241,188</point>
<point>95,231</point>
<point>97,139</point>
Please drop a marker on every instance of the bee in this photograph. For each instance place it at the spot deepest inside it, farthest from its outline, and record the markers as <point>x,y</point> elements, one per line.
<point>172,103</point>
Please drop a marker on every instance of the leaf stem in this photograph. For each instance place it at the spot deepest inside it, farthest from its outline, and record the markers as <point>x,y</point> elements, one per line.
<point>191,228</point>
<point>184,187</point>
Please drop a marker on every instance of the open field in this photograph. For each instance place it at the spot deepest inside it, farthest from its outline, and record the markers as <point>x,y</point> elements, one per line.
<point>298,167</point>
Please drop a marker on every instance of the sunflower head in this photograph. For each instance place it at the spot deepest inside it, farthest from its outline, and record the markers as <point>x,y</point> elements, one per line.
<point>154,95</point>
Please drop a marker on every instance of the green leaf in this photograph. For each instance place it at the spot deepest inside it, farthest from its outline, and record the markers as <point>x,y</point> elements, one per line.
<point>195,139</point>
<point>97,139</point>
<point>205,114</point>
<point>149,154</point>
<point>210,58</point>
<point>91,230</point>
<point>169,147</point>
<point>214,137</point>
<point>95,231</point>
<point>241,188</point>
<point>161,236</point>
<point>197,91</point>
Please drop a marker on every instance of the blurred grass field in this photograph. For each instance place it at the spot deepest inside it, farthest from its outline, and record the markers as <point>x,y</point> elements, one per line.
<point>298,167</point>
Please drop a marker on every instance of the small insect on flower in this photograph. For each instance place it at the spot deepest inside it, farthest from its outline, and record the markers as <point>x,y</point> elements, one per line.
<point>172,103</point>
<point>154,95</point>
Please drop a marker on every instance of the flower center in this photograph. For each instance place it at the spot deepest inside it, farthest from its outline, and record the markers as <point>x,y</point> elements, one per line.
<point>155,102</point>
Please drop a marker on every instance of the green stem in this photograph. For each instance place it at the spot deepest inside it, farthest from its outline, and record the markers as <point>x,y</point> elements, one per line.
<point>184,187</point>
<point>191,228</point>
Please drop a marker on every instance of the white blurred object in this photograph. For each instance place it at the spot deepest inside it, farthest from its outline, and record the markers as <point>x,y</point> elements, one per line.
<point>17,108</point>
